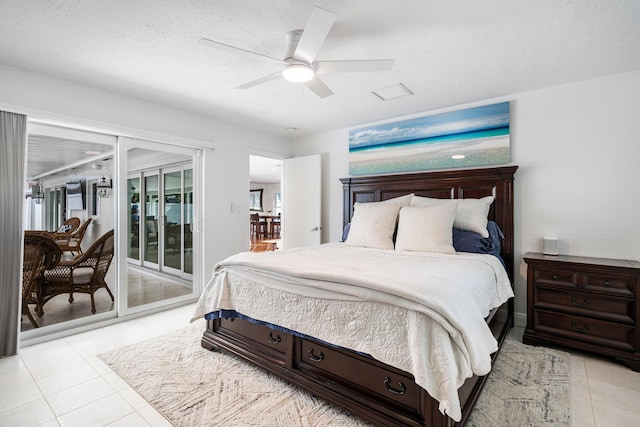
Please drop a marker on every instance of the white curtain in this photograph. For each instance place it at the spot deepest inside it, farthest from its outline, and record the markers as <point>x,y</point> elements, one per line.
<point>13,141</point>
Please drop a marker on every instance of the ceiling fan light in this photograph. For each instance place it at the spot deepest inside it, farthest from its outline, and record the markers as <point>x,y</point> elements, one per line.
<point>298,73</point>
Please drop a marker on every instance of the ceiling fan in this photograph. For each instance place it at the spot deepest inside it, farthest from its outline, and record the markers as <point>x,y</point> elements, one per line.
<point>302,48</point>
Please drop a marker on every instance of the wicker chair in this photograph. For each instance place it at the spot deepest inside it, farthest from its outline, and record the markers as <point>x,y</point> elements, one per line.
<point>69,226</point>
<point>40,253</point>
<point>85,273</point>
<point>71,242</point>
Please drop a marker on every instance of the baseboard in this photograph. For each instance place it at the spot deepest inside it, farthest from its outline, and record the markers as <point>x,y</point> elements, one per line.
<point>520,320</point>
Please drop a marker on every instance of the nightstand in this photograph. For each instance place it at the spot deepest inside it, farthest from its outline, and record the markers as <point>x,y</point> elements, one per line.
<point>585,303</point>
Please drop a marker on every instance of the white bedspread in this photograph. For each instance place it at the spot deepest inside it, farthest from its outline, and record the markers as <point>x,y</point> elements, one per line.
<point>420,312</point>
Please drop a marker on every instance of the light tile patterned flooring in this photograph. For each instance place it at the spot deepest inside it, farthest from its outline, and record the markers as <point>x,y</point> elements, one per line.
<point>64,383</point>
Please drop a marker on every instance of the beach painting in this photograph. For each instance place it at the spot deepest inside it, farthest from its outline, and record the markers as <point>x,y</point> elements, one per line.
<point>466,138</point>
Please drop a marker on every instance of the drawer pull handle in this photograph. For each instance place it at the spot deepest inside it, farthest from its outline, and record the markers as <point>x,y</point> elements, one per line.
<point>313,356</point>
<point>554,277</point>
<point>584,327</point>
<point>606,283</point>
<point>402,390</point>
<point>273,340</point>
<point>575,301</point>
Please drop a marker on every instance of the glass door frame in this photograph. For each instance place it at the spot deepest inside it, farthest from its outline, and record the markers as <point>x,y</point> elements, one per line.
<point>127,143</point>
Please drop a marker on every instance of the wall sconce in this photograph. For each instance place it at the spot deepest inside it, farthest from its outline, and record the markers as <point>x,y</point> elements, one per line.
<point>37,195</point>
<point>103,187</point>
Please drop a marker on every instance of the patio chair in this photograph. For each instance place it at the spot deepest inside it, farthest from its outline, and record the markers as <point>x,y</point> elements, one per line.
<point>40,253</point>
<point>69,226</point>
<point>71,242</point>
<point>85,273</point>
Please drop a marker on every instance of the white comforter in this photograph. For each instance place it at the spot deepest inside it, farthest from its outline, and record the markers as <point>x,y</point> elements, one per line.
<point>420,312</point>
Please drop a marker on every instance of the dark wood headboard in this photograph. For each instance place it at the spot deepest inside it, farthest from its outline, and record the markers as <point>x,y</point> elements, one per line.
<point>449,184</point>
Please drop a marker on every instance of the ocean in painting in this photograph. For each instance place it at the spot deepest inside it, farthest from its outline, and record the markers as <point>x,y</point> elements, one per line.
<point>473,137</point>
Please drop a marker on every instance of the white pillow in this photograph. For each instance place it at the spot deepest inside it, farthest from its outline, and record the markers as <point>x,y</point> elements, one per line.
<point>471,214</point>
<point>373,224</point>
<point>426,229</point>
<point>402,200</point>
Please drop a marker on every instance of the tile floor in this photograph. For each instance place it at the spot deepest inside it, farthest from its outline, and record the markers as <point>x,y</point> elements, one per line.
<point>143,288</point>
<point>64,383</point>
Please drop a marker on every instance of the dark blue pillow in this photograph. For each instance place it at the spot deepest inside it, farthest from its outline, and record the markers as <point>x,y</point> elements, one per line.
<point>345,232</point>
<point>470,241</point>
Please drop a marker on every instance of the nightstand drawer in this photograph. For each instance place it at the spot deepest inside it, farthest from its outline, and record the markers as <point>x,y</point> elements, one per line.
<point>556,277</point>
<point>586,304</point>
<point>611,285</point>
<point>592,331</point>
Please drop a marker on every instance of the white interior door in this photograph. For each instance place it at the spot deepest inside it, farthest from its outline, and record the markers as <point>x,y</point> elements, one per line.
<point>301,201</point>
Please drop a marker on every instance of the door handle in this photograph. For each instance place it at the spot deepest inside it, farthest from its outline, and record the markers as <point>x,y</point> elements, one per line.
<point>316,228</point>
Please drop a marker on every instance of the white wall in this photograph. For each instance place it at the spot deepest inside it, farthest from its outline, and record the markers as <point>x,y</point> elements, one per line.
<point>226,158</point>
<point>577,147</point>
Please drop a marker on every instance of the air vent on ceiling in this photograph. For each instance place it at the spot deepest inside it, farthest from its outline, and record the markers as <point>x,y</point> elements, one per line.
<point>392,92</point>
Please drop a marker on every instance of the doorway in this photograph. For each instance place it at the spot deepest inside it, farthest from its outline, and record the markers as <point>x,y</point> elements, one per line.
<point>265,202</point>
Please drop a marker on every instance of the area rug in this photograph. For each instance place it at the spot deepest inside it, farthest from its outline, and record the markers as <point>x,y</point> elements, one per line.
<point>191,386</point>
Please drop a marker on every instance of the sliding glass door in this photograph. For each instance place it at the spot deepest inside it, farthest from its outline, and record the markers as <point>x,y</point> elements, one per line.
<point>176,221</point>
<point>160,215</point>
<point>60,159</point>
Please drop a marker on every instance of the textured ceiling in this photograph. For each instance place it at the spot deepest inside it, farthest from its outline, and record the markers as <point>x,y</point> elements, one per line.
<point>446,52</point>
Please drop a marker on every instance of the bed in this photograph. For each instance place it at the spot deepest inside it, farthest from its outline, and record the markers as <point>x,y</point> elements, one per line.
<point>369,373</point>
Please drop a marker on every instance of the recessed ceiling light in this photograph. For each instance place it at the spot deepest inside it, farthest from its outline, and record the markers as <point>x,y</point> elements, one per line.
<point>292,129</point>
<point>458,156</point>
<point>392,92</point>
<point>93,152</point>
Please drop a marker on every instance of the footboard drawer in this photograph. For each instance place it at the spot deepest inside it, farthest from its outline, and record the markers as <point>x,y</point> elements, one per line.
<point>358,372</point>
<point>269,340</point>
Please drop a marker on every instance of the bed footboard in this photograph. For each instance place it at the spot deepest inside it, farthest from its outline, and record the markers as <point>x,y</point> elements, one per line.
<point>372,390</point>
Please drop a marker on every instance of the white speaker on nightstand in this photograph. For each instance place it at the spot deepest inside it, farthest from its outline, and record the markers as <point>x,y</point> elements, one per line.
<point>550,245</point>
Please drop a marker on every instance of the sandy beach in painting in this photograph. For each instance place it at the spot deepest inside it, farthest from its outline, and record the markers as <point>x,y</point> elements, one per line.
<point>408,158</point>
<point>444,148</point>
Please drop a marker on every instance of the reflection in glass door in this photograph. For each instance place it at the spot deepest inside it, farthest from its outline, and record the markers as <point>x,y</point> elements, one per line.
<point>160,261</point>
<point>177,217</point>
<point>160,220</point>
<point>133,218</point>
<point>151,191</point>
<point>188,221</point>
<point>172,221</point>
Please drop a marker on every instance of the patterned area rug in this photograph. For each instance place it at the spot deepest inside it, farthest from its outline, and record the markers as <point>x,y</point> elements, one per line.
<point>191,386</point>
<point>528,386</point>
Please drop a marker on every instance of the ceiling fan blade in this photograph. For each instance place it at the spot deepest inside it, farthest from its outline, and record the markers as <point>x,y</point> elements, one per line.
<point>261,80</point>
<point>221,46</point>
<point>318,87</point>
<point>324,67</point>
<point>313,35</point>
